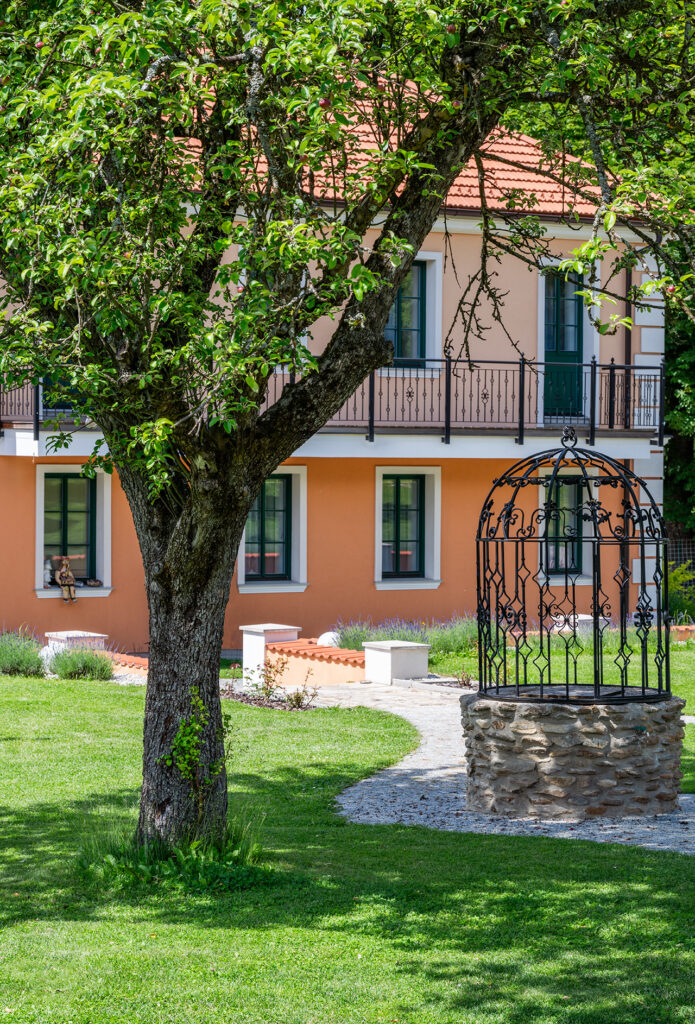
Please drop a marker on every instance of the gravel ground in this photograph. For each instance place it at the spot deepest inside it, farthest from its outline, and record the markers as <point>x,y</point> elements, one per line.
<point>126,678</point>
<point>428,786</point>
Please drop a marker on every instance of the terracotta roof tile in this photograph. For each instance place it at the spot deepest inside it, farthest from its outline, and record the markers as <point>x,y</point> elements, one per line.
<point>309,648</point>
<point>500,179</point>
<point>129,660</point>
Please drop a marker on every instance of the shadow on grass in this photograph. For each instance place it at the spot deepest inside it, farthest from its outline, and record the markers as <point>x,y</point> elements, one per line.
<point>505,926</point>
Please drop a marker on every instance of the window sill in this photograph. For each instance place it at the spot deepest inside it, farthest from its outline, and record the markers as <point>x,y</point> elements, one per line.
<point>559,581</point>
<point>407,584</point>
<point>421,370</point>
<point>80,592</point>
<point>269,587</point>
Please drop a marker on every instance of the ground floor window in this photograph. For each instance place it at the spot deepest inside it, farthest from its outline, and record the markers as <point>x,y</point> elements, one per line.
<point>272,555</point>
<point>69,523</point>
<point>268,538</point>
<point>403,526</point>
<point>564,546</point>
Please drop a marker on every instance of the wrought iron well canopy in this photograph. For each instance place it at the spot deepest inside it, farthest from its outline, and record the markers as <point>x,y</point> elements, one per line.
<point>572,582</point>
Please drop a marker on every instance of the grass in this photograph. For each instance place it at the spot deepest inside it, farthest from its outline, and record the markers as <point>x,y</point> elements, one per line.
<point>688,760</point>
<point>362,924</point>
<point>230,669</point>
<point>682,669</point>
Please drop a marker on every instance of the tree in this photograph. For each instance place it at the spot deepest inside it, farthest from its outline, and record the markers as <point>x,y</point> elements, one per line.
<point>187,186</point>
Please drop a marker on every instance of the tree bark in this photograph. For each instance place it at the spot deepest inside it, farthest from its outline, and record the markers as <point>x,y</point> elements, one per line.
<point>188,556</point>
<point>185,644</point>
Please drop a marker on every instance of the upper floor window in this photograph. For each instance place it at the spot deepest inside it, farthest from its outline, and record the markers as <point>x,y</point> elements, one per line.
<point>406,325</point>
<point>69,523</point>
<point>403,526</point>
<point>268,542</point>
<point>563,315</point>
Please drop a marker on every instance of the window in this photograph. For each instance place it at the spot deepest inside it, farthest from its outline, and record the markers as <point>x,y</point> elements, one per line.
<point>563,390</point>
<point>69,523</point>
<point>53,402</point>
<point>403,526</point>
<point>563,314</point>
<point>268,536</point>
<point>565,555</point>
<point>406,325</point>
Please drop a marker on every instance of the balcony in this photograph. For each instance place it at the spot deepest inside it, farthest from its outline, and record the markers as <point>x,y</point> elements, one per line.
<point>455,396</point>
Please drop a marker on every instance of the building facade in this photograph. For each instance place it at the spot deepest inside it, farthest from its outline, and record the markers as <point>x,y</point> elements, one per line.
<point>376,515</point>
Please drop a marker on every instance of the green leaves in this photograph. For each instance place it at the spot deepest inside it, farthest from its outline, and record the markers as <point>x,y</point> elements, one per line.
<point>188,190</point>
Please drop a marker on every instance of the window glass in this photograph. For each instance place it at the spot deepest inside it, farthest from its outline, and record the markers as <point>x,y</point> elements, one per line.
<point>69,523</point>
<point>402,527</point>
<point>563,311</point>
<point>405,327</point>
<point>268,531</point>
<point>564,549</point>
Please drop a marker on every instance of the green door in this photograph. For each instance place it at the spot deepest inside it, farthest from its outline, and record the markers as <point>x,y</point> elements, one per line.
<point>563,346</point>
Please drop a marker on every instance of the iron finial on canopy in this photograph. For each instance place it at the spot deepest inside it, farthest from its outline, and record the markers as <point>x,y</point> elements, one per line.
<point>569,437</point>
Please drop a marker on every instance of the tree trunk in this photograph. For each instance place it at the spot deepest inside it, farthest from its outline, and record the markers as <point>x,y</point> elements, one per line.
<point>185,644</point>
<point>189,558</point>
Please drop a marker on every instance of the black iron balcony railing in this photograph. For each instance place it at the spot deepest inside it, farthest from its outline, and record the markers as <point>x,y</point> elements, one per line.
<point>457,396</point>
<point>450,396</point>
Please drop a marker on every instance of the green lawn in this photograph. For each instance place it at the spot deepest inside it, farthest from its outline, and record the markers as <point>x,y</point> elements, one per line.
<point>682,669</point>
<point>363,925</point>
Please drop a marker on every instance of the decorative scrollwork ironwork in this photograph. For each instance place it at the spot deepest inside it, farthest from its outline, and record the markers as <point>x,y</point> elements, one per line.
<point>572,562</point>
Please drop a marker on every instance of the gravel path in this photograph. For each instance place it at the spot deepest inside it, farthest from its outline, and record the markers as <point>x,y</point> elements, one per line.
<point>428,786</point>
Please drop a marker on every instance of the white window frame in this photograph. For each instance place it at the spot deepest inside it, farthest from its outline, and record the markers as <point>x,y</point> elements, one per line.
<point>298,559</point>
<point>591,342</point>
<point>434,296</point>
<point>103,531</point>
<point>583,580</point>
<point>433,528</point>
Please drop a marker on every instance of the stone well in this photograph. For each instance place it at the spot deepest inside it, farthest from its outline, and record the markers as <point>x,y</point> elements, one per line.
<point>572,761</point>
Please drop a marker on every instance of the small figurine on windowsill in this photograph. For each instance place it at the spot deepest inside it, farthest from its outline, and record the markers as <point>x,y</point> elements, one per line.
<point>47,573</point>
<point>66,581</point>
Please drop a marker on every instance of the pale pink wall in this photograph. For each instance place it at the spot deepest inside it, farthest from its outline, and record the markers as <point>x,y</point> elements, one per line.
<point>515,278</point>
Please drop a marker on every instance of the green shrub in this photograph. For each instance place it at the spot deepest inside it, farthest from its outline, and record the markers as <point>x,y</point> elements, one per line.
<point>112,859</point>
<point>19,655</point>
<point>455,636</point>
<point>78,663</point>
<point>681,591</point>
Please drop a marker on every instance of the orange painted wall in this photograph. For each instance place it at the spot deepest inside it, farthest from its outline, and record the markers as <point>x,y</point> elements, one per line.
<point>341,502</point>
<point>123,614</point>
<point>340,509</point>
<point>340,520</point>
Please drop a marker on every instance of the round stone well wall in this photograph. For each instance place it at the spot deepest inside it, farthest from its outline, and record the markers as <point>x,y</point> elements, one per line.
<point>572,761</point>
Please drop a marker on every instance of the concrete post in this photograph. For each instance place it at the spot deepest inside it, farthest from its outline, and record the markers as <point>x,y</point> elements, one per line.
<point>256,637</point>
<point>386,660</point>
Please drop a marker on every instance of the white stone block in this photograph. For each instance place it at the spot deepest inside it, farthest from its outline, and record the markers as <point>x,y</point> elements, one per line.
<point>386,660</point>
<point>64,639</point>
<point>653,316</point>
<point>653,340</point>
<point>256,637</point>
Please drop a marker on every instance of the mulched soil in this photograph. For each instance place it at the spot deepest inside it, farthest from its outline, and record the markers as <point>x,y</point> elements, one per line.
<point>278,704</point>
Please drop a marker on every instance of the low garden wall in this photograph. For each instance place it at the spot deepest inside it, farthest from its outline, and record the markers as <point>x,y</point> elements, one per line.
<point>306,663</point>
<point>572,761</point>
